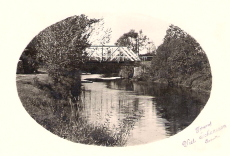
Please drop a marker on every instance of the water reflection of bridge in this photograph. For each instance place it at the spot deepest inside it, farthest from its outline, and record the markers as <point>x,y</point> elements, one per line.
<point>111,54</point>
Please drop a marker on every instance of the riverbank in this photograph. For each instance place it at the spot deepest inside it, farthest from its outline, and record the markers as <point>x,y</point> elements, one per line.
<point>198,81</point>
<point>59,116</point>
<point>112,112</point>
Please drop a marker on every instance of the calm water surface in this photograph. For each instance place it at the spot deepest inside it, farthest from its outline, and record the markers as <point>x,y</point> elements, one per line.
<point>152,112</point>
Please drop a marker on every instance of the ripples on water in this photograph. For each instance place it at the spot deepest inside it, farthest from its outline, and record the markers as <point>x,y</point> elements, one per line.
<point>156,112</point>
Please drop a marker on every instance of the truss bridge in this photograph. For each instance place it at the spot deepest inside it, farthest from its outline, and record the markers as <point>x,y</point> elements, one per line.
<point>113,54</point>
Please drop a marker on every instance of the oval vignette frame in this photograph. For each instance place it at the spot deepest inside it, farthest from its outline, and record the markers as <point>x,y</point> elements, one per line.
<point>60,94</point>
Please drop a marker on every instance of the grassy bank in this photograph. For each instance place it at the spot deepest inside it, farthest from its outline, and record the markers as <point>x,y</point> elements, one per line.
<point>62,117</point>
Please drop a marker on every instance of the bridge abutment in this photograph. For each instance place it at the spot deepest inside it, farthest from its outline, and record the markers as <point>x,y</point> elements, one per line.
<point>126,72</point>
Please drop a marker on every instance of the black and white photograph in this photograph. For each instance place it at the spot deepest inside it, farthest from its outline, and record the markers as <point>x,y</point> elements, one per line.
<point>114,78</point>
<point>83,85</point>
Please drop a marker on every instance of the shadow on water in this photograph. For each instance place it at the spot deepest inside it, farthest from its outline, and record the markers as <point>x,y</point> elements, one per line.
<point>178,106</point>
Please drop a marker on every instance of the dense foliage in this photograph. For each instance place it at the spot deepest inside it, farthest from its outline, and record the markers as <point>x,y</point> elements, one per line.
<point>180,60</point>
<point>136,41</point>
<point>60,49</point>
<point>61,45</point>
<point>29,59</point>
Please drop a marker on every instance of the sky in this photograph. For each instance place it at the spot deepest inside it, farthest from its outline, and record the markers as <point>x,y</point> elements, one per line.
<point>154,29</point>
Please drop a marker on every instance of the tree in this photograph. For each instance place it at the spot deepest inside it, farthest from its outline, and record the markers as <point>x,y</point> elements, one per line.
<point>61,47</point>
<point>29,60</point>
<point>135,41</point>
<point>151,48</point>
<point>181,60</point>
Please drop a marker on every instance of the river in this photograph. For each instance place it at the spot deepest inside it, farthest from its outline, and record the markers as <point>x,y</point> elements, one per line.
<point>151,111</point>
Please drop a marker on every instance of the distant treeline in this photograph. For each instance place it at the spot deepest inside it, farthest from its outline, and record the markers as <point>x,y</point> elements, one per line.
<point>180,60</point>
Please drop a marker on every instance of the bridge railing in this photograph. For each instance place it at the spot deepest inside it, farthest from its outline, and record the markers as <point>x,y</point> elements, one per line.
<point>111,54</point>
